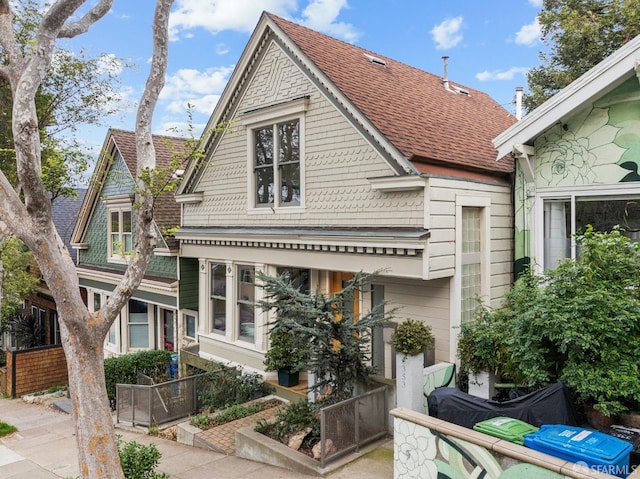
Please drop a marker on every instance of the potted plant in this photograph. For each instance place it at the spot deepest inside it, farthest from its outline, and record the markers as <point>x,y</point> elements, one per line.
<point>287,355</point>
<point>410,340</point>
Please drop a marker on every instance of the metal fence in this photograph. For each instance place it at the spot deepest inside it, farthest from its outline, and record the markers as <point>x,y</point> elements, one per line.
<point>154,404</point>
<point>352,423</point>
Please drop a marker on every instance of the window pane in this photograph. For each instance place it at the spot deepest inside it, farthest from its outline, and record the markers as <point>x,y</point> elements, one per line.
<point>190,321</point>
<point>219,315</point>
<point>289,162</point>
<point>116,247</point>
<point>112,333</point>
<point>264,165</point>
<point>557,232</point>
<point>139,335</point>
<point>218,297</point>
<point>127,242</point>
<point>603,214</point>
<point>471,278</point>
<point>218,281</point>
<point>126,221</point>
<point>96,301</point>
<point>470,230</point>
<point>115,222</point>
<point>137,311</point>
<point>299,278</point>
<point>246,298</point>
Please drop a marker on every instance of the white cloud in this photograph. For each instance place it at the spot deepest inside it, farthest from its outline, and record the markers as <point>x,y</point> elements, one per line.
<point>109,63</point>
<point>218,15</point>
<point>529,34</point>
<point>447,34</point>
<point>200,89</point>
<point>221,49</point>
<point>536,3</point>
<point>321,15</point>
<point>242,15</point>
<point>502,75</point>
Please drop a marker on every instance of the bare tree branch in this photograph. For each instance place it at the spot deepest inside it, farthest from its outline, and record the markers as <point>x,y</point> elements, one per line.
<point>71,30</point>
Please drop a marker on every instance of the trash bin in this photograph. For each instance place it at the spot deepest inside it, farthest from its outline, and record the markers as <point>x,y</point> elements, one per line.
<point>599,451</point>
<point>173,366</point>
<point>508,428</point>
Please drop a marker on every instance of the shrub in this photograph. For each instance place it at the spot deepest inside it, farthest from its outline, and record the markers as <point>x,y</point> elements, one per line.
<point>124,369</point>
<point>412,337</point>
<point>139,461</point>
<point>226,386</point>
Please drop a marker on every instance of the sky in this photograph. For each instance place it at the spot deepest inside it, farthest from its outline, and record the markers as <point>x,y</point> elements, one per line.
<point>490,44</point>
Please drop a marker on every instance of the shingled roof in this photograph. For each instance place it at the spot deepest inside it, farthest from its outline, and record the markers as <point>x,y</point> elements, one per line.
<point>428,123</point>
<point>166,210</point>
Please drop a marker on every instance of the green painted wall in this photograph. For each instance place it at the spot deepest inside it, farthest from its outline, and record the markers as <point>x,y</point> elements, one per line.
<point>598,145</point>
<point>189,283</point>
<point>118,182</point>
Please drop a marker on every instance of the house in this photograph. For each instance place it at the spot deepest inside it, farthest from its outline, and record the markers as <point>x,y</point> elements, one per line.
<point>64,211</point>
<point>103,234</point>
<point>335,160</point>
<point>577,161</point>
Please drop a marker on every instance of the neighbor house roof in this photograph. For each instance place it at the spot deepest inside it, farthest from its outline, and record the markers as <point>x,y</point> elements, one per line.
<point>166,210</point>
<point>64,213</point>
<point>426,121</point>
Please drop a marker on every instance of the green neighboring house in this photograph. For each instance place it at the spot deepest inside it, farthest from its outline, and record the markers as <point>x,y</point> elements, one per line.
<point>577,161</point>
<point>104,232</point>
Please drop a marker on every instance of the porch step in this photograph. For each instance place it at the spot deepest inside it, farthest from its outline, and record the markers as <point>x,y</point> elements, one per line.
<point>292,394</point>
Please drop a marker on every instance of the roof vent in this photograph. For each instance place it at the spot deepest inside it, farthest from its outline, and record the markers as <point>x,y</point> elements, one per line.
<point>461,90</point>
<point>376,60</point>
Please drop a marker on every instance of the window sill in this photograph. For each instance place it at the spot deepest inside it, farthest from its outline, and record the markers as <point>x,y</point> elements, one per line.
<point>277,211</point>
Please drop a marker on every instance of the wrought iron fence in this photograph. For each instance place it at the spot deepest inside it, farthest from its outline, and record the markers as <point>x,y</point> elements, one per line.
<point>154,404</point>
<point>350,424</point>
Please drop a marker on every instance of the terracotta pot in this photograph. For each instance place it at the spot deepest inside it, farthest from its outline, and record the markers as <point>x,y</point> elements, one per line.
<point>596,419</point>
<point>630,419</point>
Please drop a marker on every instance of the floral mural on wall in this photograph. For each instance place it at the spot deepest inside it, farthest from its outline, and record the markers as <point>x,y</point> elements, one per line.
<point>421,453</point>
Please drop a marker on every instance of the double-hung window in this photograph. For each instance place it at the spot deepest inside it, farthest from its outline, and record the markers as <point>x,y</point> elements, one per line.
<point>120,227</point>
<point>277,164</point>
<point>275,137</point>
<point>218,298</point>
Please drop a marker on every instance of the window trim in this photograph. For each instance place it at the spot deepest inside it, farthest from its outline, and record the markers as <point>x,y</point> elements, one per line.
<point>571,195</point>
<point>273,116</point>
<point>185,331</point>
<point>149,324</point>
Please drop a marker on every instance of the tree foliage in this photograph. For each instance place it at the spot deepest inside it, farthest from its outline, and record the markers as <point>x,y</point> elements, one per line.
<point>579,34</point>
<point>338,343</point>
<point>578,323</point>
<point>18,281</point>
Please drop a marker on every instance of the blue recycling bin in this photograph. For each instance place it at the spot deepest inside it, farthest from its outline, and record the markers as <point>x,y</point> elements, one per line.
<point>173,367</point>
<point>599,451</point>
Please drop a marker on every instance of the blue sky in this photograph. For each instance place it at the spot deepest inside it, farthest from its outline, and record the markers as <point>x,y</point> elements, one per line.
<point>490,43</point>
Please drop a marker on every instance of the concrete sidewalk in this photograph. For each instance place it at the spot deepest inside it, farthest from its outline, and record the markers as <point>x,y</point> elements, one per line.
<point>45,448</point>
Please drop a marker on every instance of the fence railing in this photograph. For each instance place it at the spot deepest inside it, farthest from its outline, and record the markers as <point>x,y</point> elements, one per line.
<point>154,404</point>
<point>350,424</point>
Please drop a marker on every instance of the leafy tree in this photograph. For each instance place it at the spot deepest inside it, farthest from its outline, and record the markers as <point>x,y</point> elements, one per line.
<point>26,212</point>
<point>17,280</point>
<point>578,323</point>
<point>338,343</point>
<point>579,34</point>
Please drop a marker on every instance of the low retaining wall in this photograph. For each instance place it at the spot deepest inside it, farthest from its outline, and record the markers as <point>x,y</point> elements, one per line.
<point>425,447</point>
<point>31,370</point>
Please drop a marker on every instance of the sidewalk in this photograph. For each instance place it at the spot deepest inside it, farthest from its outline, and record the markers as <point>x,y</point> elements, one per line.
<point>45,448</point>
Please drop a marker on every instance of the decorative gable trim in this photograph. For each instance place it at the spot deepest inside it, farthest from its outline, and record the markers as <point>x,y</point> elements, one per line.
<point>191,198</point>
<point>268,113</point>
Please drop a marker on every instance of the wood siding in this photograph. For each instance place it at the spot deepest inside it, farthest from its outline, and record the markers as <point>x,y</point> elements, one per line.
<point>337,163</point>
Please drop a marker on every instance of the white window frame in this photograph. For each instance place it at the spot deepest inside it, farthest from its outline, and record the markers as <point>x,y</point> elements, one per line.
<point>185,330</point>
<point>119,205</point>
<point>272,116</point>
<point>232,329</point>
<point>570,194</point>
<point>485,259</point>
<point>149,323</point>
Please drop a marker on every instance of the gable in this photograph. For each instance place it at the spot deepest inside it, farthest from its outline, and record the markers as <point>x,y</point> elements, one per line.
<point>338,159</point>
<point>598,144</point>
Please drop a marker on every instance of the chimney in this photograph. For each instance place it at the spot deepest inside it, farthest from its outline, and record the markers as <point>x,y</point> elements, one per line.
<point>518,103</point>
<point>445,78</point>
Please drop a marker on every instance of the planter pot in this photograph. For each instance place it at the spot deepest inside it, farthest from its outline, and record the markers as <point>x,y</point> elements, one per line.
<point>410,381</point>
<point>596,419</point>
<point>630,419</point>
<point>288,379</point>
<point>483,385</point>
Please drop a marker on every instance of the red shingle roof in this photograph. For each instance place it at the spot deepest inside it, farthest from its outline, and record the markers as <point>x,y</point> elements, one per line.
<point>410,107</point>
<point>166,211</point>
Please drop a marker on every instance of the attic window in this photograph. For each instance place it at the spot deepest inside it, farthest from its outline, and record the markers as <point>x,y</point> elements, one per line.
<point>376,60</point>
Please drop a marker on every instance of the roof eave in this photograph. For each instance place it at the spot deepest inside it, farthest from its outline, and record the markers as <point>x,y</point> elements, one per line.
<point>606,75</point>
